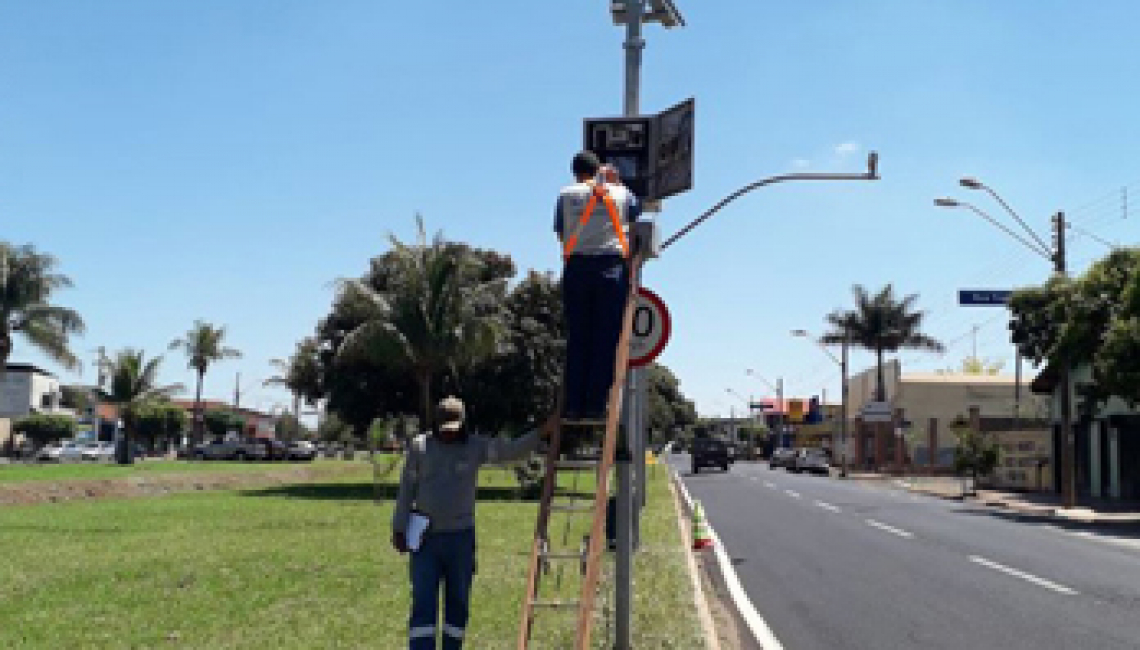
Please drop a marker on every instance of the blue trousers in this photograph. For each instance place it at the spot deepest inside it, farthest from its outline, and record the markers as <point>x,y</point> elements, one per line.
<point>447,557</point>
<point>594,289</point>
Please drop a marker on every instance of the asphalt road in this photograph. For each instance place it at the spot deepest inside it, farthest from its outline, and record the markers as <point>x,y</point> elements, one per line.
<point>839,564</point>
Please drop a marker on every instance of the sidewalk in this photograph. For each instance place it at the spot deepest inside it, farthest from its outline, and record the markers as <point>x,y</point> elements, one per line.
<point>1090,511</point>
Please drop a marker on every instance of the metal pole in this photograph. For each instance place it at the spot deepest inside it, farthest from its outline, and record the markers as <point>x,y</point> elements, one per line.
<point>625,514</point>
<point>1068,448</point>
<point>843,407</point>
<point>780,414</point>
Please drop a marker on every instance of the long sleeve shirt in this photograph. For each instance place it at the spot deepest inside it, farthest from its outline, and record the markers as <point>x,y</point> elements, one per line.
<point>440,479</point>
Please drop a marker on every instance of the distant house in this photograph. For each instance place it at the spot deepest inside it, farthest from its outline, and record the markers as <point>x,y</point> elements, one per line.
<point>922,407</point>
<point>257,424</point>
<point>26,389</point>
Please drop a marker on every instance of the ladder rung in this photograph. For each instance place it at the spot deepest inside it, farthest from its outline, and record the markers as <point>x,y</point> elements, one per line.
<point>555,603</point>
<point>562,556</point>
<point>576,464</point>
<point>586,424</point>
<point>572,507</point>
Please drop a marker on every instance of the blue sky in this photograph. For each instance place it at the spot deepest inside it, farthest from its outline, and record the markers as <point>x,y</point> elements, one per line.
<point>228,159</point>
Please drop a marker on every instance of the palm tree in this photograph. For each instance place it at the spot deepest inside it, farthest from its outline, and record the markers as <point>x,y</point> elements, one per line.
<point>880,324</point>
<point>203,346</point>
<point>27,280</point>
<point>298,372</point>
<point>134,380</point>
<point>439,316</point>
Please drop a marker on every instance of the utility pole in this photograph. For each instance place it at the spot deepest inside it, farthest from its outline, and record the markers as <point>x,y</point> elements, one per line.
<point>1068,447</point>
<point>623,611</point>
<point>843,402</point>
<point>237,391</point>
<point>781,413</point>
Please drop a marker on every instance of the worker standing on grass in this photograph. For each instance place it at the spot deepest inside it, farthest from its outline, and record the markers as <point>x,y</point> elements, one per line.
<point>592,219</point>
<point>435,518</point>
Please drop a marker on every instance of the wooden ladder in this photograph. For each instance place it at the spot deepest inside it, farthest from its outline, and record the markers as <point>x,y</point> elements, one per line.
<point>590,555</point>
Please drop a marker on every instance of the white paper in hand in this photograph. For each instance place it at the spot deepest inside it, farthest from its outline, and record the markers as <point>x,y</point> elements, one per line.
<point>417,526</point>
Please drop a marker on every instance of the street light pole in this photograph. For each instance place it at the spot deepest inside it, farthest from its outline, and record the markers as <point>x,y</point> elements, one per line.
<point>843,405</point>
<point>1058,258</point>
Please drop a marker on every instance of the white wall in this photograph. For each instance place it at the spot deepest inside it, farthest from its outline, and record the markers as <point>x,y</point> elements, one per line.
<point>21,391</point>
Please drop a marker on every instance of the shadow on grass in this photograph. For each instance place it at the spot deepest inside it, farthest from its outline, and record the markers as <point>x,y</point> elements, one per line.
<point>386,492</point>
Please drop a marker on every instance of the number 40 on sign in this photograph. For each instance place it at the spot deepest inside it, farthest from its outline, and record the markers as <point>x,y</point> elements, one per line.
<point>651,328</point>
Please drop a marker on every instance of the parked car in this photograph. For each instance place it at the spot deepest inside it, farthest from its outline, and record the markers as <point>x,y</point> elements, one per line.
<point>781,457</point>
<point>231,449</point>
<point>267,449</point>
<point>98,451</point>
<point>302,450</point>
<point>60,452</point>
<point>811,460</point>
<point>709,452</point>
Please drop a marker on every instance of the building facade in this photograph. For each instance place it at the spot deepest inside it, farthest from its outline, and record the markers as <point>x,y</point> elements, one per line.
<point>1107,442</point>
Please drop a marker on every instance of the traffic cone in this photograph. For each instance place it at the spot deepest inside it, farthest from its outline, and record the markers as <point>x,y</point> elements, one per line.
<point>702,538</point>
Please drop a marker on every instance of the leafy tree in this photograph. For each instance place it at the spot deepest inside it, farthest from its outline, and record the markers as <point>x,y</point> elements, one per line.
<point>514,389</point>
<point>438,310</point>
<point>203,345</point>
<point>667,407</point>
<point>134,380</point>
<point>976,454</point>
<point>976,366</point>
<point>27,281</point>
<point>333,429</point>
<point>76,398</point>
<point>43,428</point>
<point>220,422</point>
<point>1092,320</point>
<point>158,422</point>
<point>880,323</point>
<point>300,373</point>
<point>290,428</point>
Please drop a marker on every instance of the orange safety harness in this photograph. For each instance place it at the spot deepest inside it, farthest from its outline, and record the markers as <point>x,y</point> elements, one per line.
<point>599,191</point>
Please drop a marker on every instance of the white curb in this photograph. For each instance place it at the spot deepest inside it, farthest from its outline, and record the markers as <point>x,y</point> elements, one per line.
<point>756,624</point>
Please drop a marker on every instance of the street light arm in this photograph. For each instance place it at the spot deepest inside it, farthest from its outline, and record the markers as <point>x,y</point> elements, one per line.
<point>766,382</point>
<point>1040,242</point>
<point>954,203</point>
<point>872,174</point>
<point>1043,252</point>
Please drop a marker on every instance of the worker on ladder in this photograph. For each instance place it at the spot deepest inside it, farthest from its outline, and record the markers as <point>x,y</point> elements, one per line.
<point>592,220</point>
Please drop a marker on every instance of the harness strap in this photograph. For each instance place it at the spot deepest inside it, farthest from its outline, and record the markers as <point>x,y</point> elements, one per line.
<point>607,200</point>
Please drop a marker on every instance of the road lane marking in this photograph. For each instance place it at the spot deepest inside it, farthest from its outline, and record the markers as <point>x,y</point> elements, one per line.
<point>890,529</point>
<point>792,493</point>
<point>826,506</point>
<point>769,484</point>
<point>1029,577</point>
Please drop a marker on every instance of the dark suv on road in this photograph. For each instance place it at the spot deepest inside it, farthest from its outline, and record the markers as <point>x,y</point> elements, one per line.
<point>709,452</point>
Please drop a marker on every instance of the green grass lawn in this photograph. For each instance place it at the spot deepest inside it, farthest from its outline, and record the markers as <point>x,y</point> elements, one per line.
<point>89,470</point>
<point>295,566</point>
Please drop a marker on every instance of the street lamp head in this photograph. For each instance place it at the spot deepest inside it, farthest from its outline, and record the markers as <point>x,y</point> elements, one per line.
<point>969,182</point>
<point>947,202</point>
<point>803,333</point>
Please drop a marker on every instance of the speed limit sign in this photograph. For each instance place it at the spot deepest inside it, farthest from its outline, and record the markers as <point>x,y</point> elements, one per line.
<point>651,328</point>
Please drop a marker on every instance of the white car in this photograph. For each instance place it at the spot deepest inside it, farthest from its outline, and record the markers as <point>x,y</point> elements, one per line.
<point>98,451</point>
<point>811,460</point>
<point>60,452</point>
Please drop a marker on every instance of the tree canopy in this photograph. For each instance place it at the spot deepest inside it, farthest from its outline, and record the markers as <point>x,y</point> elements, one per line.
<point>27,281</point>
<point>880,323</point>
<point>1092,320</point>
